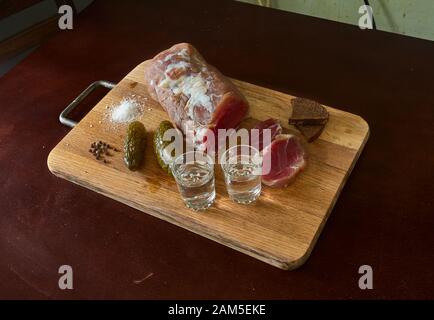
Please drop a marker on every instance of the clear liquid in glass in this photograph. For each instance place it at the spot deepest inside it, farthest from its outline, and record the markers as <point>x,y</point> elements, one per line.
<point>243,182</point>
<point>196,184</point>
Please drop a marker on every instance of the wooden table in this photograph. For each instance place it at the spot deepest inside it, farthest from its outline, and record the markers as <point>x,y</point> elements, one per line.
<point>383,218</point>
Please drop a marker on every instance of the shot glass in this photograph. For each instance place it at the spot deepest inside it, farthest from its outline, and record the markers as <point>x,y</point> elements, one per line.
<point>194,175</point>
<point>242,168</point>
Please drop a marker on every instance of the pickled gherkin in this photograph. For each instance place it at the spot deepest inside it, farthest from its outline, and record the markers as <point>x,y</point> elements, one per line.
<point>134,146</point>
<point>164,159</point>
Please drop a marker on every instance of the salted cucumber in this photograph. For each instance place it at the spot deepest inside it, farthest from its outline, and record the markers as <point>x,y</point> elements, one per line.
<point>134,146</point>
<point>164,159</point>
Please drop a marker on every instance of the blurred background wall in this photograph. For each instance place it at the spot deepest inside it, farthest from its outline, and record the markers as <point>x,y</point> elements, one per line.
<point>413,18</point>
<point>25,24</point>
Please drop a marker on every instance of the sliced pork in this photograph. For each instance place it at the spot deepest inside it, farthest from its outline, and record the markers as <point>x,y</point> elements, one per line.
<point>264,132</point>
<point>195,95</point>
<point>283,159</point>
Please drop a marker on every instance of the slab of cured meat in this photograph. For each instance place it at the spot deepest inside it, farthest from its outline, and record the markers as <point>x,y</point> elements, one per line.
<point>195,95</point>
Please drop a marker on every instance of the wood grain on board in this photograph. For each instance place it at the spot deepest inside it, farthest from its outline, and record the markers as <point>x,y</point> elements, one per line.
<point>281,228</point>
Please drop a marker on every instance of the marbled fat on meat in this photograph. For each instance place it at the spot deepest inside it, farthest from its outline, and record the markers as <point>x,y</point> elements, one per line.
<point>286,158</point>
<point>258,137</point>
<point>194,93</point>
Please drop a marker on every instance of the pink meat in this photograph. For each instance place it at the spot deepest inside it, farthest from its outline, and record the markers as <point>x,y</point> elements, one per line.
<point>283,159</point>
<point>257,134</point>
<point>194,93</point>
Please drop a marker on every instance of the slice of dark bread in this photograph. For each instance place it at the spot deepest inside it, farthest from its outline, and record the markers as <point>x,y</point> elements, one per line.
<point>307,112</point>
<point>311,132</point>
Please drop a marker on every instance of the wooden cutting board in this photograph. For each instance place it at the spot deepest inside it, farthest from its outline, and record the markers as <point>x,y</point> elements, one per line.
<point>281,228</point>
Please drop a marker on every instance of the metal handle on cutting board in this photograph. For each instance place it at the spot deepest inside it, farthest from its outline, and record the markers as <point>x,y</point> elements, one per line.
<point>64,114</point>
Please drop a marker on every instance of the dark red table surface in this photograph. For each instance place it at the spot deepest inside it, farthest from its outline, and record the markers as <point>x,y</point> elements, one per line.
<point>383,218</point>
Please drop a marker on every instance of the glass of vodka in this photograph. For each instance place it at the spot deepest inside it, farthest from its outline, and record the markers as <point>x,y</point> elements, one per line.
<point>242,169</point>
<point>194,175</point>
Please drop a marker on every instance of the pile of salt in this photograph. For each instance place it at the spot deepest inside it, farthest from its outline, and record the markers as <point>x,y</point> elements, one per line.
<point>127,110</point>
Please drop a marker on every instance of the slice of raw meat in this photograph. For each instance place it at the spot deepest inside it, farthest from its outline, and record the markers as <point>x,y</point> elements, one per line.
<point>283,159</point>
<point>196,95</point>
<point>260,137</point>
